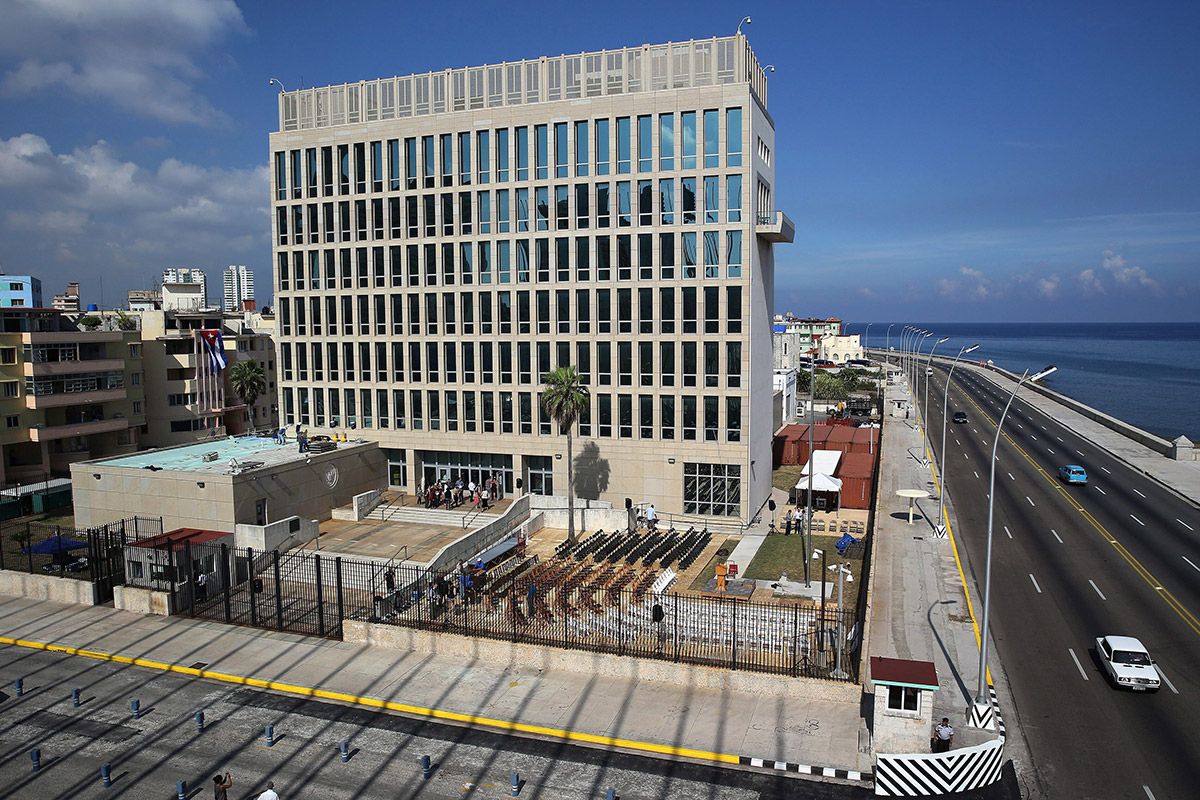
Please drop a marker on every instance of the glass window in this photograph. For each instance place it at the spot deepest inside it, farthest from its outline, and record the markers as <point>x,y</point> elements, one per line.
<point>689,421</point>
<point>689,255</point>
<point>501,155</point>
<point>624,205</point>
<point>733,309</point>
<point>376,166</point>
<point>484,200</point>
<point>688,152</point>
<point>502,211</point>
<point>666,141</point>
<point>428,165</point>
<point>562,219</point>
<point>604,413</point>
<point>542,203</point>
<point>733,254</point>
<point>733,137</point>
<point>281,176</point>
<point>666,363</point>
<point>711,489</point>
<point>712,138</point>
<point>582,260</point>
<point>410,163</point>
<point>603,259</point>
<point>522,145</point>
<point>645,192</point>
<point>484,155</point>
<point>522,210</point>
<point>666,256</point>
<point>464,158</point>
<point>666,416</point>
<point>603,206</point>
<point>711,418</point>
<point>666,201</point>
<point>602,146</point>
<point>712,254</point>
<point>560,149</point>
<point>623,145</point>
<point>582,212</point>
<point>581,149</point>
<point>712,199</point>
<point>645,125</point>
<point>733,364</point>
<point>541,157</point>
<point>733,197</point>
<point>645,416</point>
<point>625,416</point>
<point>688,188</point>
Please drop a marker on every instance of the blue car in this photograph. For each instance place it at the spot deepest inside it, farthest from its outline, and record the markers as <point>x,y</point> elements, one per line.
<point>1072,473</point>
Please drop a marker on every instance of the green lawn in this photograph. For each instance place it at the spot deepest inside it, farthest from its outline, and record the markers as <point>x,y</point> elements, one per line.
<point>785,477</point>
<point>785,554</point>
<point>710,569</point>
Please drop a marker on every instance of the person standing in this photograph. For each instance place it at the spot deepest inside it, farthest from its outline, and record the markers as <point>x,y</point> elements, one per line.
<point>221,786</point>
<point>788,519</point>
<point>202,586</point>
<point>722,571</point>
<point>270,793</point>
<point>651,519</point>
<point>943,736</point>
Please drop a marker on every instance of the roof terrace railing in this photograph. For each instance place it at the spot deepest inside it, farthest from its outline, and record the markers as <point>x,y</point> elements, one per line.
<point>674,65</point>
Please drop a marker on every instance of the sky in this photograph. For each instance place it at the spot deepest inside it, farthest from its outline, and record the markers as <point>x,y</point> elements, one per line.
<point>942,161</point>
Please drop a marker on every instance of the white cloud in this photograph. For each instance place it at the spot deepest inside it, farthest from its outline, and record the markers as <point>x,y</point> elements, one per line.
<point>89,207</point>
<point>1048,286</point>
<point>140,55</point>
<point>1090,283</point>
<point>1128,276</point>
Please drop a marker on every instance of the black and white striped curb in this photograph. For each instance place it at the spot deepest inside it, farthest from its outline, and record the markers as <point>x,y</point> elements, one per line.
<point>996,710</point>
<point>805,769</point>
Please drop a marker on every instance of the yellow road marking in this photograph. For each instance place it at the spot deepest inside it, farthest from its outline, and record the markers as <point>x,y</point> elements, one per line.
<point>374,702</point>
<point>1172,602</point>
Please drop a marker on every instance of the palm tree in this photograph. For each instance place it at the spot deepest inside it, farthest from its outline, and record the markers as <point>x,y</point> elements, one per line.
<point>565,398</point>
<point>248,381</point>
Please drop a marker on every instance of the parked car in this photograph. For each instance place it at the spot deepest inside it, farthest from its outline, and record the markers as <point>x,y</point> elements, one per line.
<point>960,417</point>
<point>1127,663</point>
<point>1072,473</point>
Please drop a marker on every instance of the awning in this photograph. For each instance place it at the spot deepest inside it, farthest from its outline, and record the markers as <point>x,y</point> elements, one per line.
<point>826,462</point>
<point>820,483</point>
<point>495,551</point>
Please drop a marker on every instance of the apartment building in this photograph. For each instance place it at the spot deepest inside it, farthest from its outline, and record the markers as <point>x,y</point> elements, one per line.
<point>192,398</point>
<point>238,286</point>
<point>442,241</point>
<point>20,291</point>
<point>184,289</point>
<point>67,393</point>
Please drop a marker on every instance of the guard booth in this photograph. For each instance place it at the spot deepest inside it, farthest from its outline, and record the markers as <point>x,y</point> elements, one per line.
<point>903,704</point>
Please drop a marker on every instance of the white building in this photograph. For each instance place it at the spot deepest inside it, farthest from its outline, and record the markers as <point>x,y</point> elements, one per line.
<point>239,286</point>
<point>442,241</point>
<point>184,289</point>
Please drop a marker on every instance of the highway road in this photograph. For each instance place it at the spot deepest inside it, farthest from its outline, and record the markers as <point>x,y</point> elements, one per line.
<point>1120,555</point>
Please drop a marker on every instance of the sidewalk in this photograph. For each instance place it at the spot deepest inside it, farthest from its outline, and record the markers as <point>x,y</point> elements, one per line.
<point>919,609</point>
<point>804,731</point>
<point>1181,476</point>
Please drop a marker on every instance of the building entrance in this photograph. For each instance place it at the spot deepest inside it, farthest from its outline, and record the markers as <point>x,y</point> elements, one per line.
<point>476,467</point>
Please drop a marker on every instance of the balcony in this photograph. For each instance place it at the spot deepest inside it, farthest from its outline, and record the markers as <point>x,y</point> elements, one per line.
<point>60,399</point>
<point>42,369</point>
<point>71,337</point>
<point>48,433</point>
<point>775,226</point>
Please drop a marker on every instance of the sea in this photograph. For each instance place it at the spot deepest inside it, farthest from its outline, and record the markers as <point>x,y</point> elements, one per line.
<point>1147,374</point>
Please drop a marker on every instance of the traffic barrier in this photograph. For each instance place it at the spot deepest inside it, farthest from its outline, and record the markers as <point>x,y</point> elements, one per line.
<point>199,722</point>
<point>135,709</point>
<point>344,751</point>
<point>75,698</point>
<point>181,790</point>
<point>35,756</point>
<point>516,784</point>
<point>19,686</point>
<point>106,775</point>
<point>611,794</point>
<point>269,735</point>
<point>426,767</point>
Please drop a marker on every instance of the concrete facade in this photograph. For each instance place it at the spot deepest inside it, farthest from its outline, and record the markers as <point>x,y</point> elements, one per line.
<point>410,314</point>
<point>20,291</point>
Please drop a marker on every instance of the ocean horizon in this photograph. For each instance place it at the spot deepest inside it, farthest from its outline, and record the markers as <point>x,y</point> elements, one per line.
<point>1145,373</point>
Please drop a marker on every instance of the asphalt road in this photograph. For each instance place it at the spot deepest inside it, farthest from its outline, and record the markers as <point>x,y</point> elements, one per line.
<point>1118,556</point>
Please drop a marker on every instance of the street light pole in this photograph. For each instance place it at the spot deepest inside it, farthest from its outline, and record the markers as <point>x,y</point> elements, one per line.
<point>887,350</point>
<point>812,419</point>
<point>925,399</point>
<point>981,697</point>
<point>843,574</point>
<point>945,410</point>
<point>866,334</point>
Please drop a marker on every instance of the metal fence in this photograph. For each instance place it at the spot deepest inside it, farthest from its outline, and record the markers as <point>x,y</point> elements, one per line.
<point>90,554</point>
<point>618,613</point>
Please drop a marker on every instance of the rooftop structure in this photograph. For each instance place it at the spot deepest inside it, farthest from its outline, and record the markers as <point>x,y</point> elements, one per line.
<point>20,291</point>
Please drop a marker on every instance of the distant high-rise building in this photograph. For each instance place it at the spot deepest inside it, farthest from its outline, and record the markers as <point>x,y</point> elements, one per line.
<point>20,291</point>
<point>184,289</point>
<point>239,286</point>
<point>68,300</point>
<point>145,299</point>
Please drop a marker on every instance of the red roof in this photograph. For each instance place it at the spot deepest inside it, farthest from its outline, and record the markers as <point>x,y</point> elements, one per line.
<point>840,434</point>
<point>902,672</point>
<point>178,537</point>
<point>857,465</point>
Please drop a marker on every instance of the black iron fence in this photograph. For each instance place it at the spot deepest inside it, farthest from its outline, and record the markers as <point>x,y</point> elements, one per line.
<point>90,554</point>
<point>624,615</point>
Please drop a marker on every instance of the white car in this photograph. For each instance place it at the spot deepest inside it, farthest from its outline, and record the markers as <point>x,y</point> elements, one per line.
<point>1127,663</point>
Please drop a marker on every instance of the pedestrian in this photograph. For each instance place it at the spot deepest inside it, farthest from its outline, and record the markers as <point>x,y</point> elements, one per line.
<point>788,518</point>
<point>651,519</point>
<point>658,615</point>
<point>221,786</point>
<point>389,580</point>
<point>483,499</point>
<point>721,571</point>
<point>530,594</point>
<point>201,587</point>
<point>270,793</point>
<point>943,736</point>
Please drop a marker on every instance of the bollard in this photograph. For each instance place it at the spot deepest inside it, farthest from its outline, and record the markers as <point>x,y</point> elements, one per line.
<point>106,775</point>
<point>270,735</point>
<point>611,795</point>
<point>181,790</point>
<point>19,686</point>
<point>199,722</point>
<point>35,756</point>
<point>75,697</point>
<point>516,784</point>
<point>135,708</point>
<point>344,748</point>
<point>426,767</point>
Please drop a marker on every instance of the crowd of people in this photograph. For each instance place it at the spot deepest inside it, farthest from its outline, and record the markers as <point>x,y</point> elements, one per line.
<point>445,494</point>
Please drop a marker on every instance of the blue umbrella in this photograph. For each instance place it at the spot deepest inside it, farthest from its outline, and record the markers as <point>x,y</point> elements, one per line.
<point>54,546</point>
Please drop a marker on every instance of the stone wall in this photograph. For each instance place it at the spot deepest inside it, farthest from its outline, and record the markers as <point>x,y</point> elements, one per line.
<point>46,587</point>
<point>142,601</point>
<point>467,649</point>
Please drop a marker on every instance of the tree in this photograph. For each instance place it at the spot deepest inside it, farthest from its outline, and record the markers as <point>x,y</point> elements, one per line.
<point>566,397</point>
<point>248,381</point>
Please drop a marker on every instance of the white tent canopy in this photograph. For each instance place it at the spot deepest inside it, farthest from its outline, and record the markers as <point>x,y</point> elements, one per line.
<point>820,483</point>
<point>826,462</point>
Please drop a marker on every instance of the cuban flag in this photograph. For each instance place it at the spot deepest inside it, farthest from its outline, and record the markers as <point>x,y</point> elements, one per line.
<point>215,346</point>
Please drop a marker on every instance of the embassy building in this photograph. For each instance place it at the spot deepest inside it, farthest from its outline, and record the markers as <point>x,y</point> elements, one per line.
<point>443,240</point>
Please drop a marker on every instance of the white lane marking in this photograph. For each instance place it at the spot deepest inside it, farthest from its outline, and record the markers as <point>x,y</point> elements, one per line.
<point>1184,524</point>
<point>1043,427</point>
<point>1010,477</point>
<point>1048,450</point>
<point>1079,454</point>
<point>957,442</point>
<point>1019,426</point>
<point>1030,499</point>
<point>1139,494</point>
<point>1059,438</point>
<point>1035,583</point>
<point>1185,558</point>
<point>1078,666</point>
<point>1138,521</point>
<point>965,455</point>
<point>1101,491</point>
<point>974,431</point>
<point>1006,530</point>
<point>976,473</point>
<point>1166,680</point>
<point>1106,470</point>
<point>1056,536</point>
<point>1034,437</point>
<point>1097,588</point>
<point>1149,794</point>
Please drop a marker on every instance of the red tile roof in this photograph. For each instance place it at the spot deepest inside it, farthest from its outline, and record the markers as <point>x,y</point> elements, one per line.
<point>176,538</point>
<point>902,672</point>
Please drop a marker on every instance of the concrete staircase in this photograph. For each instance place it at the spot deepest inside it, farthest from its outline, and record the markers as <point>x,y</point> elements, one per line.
<point>415,515</point>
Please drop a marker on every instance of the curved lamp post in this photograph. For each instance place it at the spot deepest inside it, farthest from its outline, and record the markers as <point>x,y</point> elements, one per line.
<point>942,461</point>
